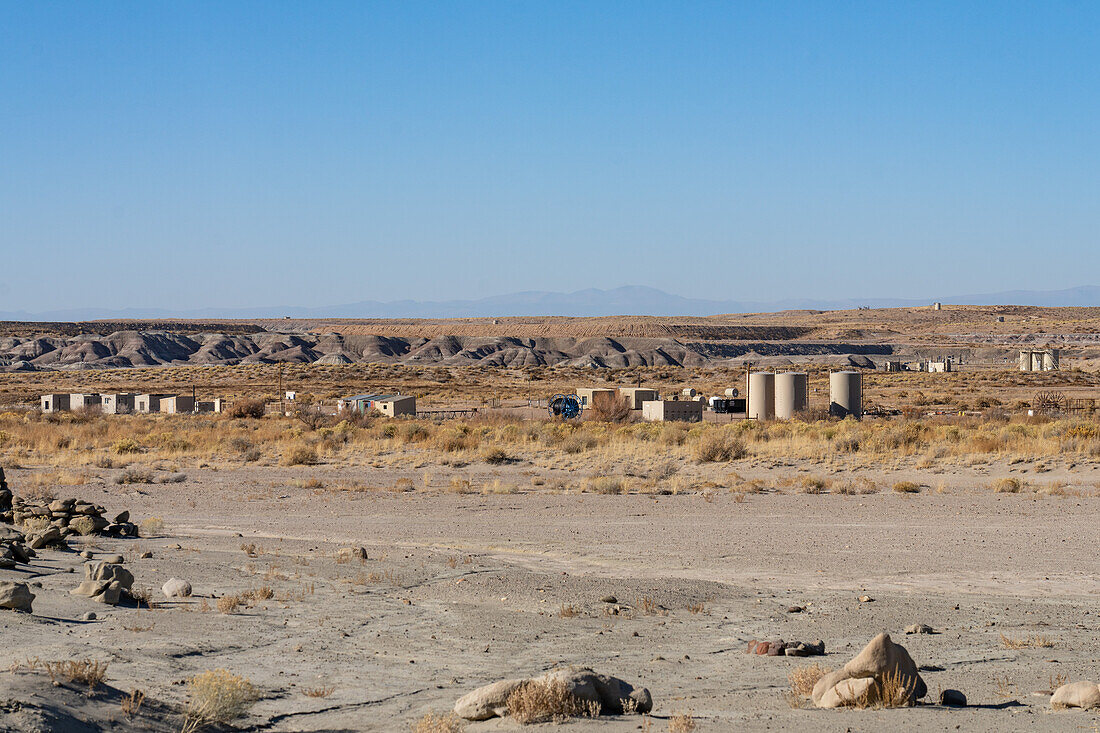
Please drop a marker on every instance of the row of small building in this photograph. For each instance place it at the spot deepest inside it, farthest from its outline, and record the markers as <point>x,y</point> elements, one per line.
<point>124,403</point>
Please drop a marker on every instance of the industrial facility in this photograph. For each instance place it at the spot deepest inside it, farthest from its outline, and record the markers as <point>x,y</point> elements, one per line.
<point>1039,360</point>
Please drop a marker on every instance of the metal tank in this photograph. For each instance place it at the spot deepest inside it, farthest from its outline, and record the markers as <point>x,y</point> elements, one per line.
<point>761,396</point>
<point>846,394</point>
<point>791,394</point>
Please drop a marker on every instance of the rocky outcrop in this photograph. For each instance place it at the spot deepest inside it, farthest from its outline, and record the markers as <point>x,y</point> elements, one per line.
<point>864,677</point>
<point>1083,695</point>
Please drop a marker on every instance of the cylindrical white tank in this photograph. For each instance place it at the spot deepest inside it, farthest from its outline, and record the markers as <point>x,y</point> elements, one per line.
<point>791,394</point>
<point>732,392</point>
<point>761,396</point>
<point>846,394</point>
<point>688,392</point>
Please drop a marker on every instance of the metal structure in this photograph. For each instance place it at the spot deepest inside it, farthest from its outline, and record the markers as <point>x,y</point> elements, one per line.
<point>791,394</point>
<point>846,394</point>
<point>761,400</point>
<point>567,406</point>
<point>1050,401</point>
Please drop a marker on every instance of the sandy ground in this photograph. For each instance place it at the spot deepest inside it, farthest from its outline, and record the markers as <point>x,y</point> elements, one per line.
<point>462,590</point>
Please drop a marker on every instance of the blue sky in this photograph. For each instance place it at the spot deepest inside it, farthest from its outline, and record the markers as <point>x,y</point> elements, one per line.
<point>182,155</point>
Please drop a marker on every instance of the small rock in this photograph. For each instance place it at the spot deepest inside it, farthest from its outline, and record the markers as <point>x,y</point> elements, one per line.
<point>866,599</point>
<point>114,559</point>
<point>952,698</point>
<point>122,517</point>
<point>176,588</point>
<point>145,555</point>
<point>609,599</point>
<point>89,616</point>
<point>87,554</point>
<point>795,609</point>
<point>918,629</point>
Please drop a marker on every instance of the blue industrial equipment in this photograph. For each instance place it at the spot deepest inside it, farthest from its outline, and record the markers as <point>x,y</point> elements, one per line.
<point>564,405</point>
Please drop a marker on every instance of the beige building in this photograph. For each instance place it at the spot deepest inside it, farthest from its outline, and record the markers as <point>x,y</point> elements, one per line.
<point>588,394</point>
<point>940,366</point>
<point>146,403</point>
<point>388,404</point>
<point>637,395</point>
<point>668,410</point>
<point>118,403</point>
<point>54,402</point>
<point>1039,360</point>
<point>176,404</point>
<point>83,401</point>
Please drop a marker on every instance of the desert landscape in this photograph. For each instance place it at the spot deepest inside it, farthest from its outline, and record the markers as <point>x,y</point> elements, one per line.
<point>302,570</point>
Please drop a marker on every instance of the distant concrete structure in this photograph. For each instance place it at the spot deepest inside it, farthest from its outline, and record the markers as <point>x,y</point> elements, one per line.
<point>117,403</point>
<point>146,403</point>
<point>892,366</point>
<point>791,394</point>
<point>206,406</point>
<point>636,396</point>
<point>1039,360</point>
<point>670,410</point>
<point>846,394</point>
<point>388,404</point>
<point>83,400</point>
<point>943,365</point>
<point>761,396</point>
<point>54,402</point>
<point>177,404</point>
<point>588,394</point>
<point>937,306</point>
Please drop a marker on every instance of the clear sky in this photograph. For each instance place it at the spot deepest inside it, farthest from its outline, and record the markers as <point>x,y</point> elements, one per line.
<point>186,154</point>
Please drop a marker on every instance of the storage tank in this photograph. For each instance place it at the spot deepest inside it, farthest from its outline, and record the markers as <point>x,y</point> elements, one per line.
<point>761,395</point>
<point>846,394</point>
<point>688,392</point>
<point>791,394</point>
<point>732,392</point>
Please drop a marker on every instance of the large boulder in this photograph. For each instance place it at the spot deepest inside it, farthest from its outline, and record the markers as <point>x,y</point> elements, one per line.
<point>613,695</point>
<point>87,524</point>
<point>880,659</point>
<point>487,702</point>
<point>176,588</point>
<point>16,596</point>
<point>1084,695</point>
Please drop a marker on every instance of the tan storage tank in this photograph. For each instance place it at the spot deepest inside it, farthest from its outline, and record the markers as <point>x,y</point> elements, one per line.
<point>846,394</point>
<point>791,394</point>
<point>761,396</point>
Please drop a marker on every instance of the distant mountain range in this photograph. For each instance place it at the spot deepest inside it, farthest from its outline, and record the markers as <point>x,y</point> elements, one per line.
<point>630,300</point>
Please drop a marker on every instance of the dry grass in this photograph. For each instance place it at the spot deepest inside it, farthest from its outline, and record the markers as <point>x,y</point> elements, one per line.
<point>568,610</point>
<point>682,723</point>
<point>907,487</point>
<point>715,447</point>
<point>1028,642</point>
<point>131,704</point>
<point>217,697</point>
<point>83,671</point>
<point>320,691</point>
<point>540,701</point>
<point>803,679</point>
<point>441,723</point>
<point>1007,486</point>
<point>892,691</point>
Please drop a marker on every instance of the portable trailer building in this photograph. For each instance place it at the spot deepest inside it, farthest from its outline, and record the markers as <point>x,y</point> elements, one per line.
<point>177,404</point>
<point>588,395</point>
<point>668,410</point>
<point>387,404</point>
<point>146,403</point>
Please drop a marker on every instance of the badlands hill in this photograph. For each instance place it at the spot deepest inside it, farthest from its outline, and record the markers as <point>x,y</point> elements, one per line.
<point>839,337</point>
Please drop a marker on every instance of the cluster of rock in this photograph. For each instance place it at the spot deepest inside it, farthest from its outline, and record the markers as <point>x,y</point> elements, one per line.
<point>106,582</point>
<point>55,520</point>
<point>863,678</point>
<point>13,547</point>
<point>611,694</point>
<point>782,648</point>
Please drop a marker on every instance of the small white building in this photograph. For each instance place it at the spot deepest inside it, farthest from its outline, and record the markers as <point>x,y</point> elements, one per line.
<point>146,403</point>
<point>117,403</point>
<point>635,396</point>
<point>943,365</point>
<point>388,404</point>
<point>176,404</point>
<point>588,395</point>
<point>83,400</point>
